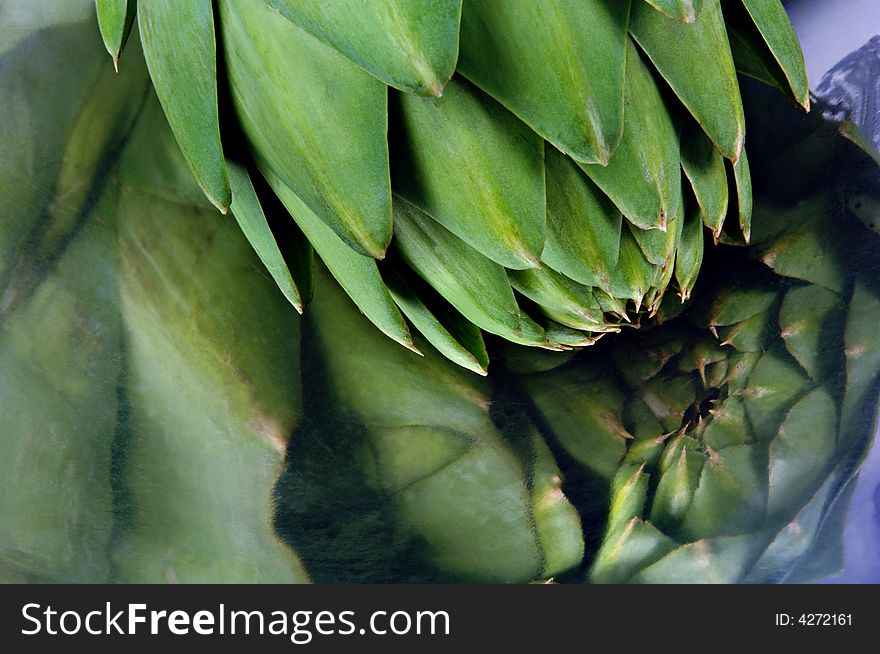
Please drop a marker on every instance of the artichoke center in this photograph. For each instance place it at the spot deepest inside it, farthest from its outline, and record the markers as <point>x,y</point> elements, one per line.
<point>700,411</point>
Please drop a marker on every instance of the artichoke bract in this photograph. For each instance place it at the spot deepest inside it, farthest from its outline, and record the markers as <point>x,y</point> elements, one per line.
<point>61,336</point>
<point>210,387</point>
<point>542,171</point>
<point>150,369</point>
<point>401,472</point>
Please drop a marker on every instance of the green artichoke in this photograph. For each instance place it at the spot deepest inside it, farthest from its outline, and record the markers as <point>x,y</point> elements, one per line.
<point>166,417</point>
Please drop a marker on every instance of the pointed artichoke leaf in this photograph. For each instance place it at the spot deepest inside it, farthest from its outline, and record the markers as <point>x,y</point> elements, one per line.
<point>741,180</point>
<point>475,168</point>
<point>772,22</point>
<point>862,351</point>
<point>295,248</point>
<point>653,243</point>
<point>677,443</point>
<point>670,403</point>
<point>282,81</point>
<point>634,275</point>
<point>774,384</point>
<point>772,219</point>
<point>670,240</point>
<point>355,272</point>
<point>702,354</point>
<point>736,304</point>
<point>638,545</point>
<point>583,226</point>
<point>717,373</point>
<point>564,338</point>
<point>751,55</point>
<point>640,361</point>
<point>569,87</point>
<point>741,366</point>
<point>689,257</point>
<point>556,520</point>
<point>801,452</point>
<point>115,18</point>
<point>559,298</point>
<point>659,246</point>
<point>704,80</point>
<point>410,45</point>
<point>803,319</point>
<point>629,497</point>
<point>557,523</point>
<point>582,414</point>
<point>181,52</point>
<point>643,176</point>
<point>731,498</point>
<point>811,249</point>
<point>704,167</point>
<point>729,426</point>
<point>476,286</point>
<point>749,335</point>
<point>249,214</point>
<point>461,341</point>
<point>648,446</point>
<point>707,561</point>
<point>613,305</point>
<point>675,490</point>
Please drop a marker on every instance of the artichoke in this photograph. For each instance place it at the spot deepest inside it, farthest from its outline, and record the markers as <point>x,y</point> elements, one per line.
<point>166,417</point>
<point>452,183</point>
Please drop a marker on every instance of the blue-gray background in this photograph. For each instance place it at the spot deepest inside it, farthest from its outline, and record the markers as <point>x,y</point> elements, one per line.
<point>829,30</point>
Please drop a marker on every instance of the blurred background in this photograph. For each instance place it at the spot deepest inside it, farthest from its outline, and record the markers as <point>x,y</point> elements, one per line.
<point>831,29</point>
<point>841,43</point>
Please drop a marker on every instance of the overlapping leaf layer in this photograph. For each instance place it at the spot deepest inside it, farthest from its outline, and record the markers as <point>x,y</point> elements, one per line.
<point>516,165</point>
